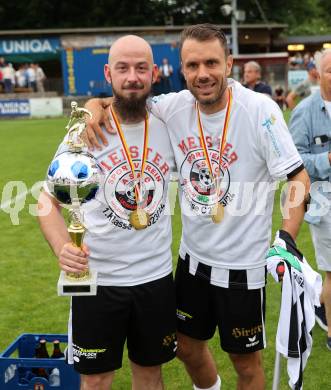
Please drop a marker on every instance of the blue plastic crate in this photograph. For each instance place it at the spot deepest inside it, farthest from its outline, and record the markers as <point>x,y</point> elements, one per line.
<point>16,372</point>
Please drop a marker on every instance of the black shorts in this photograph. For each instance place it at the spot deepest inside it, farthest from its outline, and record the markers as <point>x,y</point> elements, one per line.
<point>201,307</point>
<point>143,315</point>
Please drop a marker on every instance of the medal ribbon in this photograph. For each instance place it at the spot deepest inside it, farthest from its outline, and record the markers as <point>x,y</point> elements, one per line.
<point>127,151</point>
<point>224,133</point>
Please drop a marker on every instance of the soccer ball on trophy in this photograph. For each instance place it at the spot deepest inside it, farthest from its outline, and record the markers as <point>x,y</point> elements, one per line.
<point>73,178</point>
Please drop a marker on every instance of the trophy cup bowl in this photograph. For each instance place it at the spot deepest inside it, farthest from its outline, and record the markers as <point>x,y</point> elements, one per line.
<point>73,178</point>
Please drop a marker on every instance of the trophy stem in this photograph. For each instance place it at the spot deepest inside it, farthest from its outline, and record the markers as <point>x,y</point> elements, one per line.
<point>76,231</point>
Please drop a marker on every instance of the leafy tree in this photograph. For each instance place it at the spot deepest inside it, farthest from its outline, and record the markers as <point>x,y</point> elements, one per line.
<point>302,16</point>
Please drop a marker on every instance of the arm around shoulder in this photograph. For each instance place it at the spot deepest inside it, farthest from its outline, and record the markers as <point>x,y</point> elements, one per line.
<point>100,119</point>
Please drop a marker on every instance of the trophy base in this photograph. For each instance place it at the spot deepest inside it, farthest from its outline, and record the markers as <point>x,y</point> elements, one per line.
<point>67,287</point>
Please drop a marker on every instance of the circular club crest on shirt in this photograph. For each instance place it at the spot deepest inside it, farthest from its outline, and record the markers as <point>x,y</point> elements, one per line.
<point>198,185</point>
<point>120,194</point>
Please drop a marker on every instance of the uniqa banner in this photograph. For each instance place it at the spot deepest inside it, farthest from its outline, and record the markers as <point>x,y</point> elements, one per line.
<point>29,46</point>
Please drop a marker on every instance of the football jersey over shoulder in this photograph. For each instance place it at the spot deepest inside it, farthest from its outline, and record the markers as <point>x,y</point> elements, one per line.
<point>258,151</point>
<point>121,255</point>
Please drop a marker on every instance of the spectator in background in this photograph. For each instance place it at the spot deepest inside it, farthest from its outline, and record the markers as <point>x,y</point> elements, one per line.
<point>31,74</point>
<point>310,126</point>
<point>157,86</point>
<point>252,78</point>
<point>298,58</point>
<point>292,63</point>
<point>40,78</point>
<point>1,81</point>
<point>8,73</point>
<point>20,75</point>
<point>305,88</point>
<point>279,97</point>
<point>2,64</point>
<point>166,70</point>
<point>306,59</point>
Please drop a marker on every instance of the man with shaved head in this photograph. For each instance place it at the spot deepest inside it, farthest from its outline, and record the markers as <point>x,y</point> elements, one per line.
<point>128,239</point>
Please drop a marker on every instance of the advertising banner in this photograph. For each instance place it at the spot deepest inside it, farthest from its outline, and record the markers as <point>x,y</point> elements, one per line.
<point>14,107</point>
<point>29,46</point>
<point>295,77</point>
<point>41,107</point>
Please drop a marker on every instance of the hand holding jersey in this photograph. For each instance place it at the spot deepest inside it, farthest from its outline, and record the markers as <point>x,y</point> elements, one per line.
<point>301,288</point>
<point>285,250</point>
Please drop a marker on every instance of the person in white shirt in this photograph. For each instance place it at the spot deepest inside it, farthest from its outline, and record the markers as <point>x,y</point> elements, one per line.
<point>8,73</point>
<point>166,70</point>
<point>40,78</point>
<point>135,300</point>
<point>231,145</point>
<point>20,75</point>
<point>31,76</point>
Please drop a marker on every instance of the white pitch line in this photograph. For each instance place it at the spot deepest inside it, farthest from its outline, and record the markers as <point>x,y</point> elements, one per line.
<point>7,204</point>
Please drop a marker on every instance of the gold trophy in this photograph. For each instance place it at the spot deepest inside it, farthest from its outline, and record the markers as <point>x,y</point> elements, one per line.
<point>74,178</point>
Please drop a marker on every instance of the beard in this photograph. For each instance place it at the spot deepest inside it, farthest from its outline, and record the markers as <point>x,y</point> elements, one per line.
<point>130,108</point>
<point>210,101</point>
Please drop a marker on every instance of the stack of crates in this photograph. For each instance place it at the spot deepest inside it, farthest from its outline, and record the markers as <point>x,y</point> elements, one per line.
<point>18,365</point>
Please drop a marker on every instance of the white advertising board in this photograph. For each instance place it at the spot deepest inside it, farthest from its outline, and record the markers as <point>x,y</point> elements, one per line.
<point>41,107</point>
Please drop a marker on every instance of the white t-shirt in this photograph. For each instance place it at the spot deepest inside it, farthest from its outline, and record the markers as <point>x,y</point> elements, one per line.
<point>40,75</point>
<point>259,150</point>
<point>121,255</point>
<point>31,74</point>
<point>20,77</point>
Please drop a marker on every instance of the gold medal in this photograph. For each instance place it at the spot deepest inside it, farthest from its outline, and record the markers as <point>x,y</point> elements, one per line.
<point>217,213</point>
<point>139,219</point>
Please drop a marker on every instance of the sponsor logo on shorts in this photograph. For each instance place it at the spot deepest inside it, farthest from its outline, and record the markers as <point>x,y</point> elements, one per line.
<point>183,316</point>
<point>250,333</point>
<point>252,342</point>
<point>86,353</point>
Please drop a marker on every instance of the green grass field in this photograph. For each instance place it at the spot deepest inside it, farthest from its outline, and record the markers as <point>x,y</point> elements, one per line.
<point>29,271</point>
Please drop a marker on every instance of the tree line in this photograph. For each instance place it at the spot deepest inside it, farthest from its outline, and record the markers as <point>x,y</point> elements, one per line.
<point>302,16</point>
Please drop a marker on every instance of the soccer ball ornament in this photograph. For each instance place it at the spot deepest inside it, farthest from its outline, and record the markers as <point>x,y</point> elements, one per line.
<point>74,178</point>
